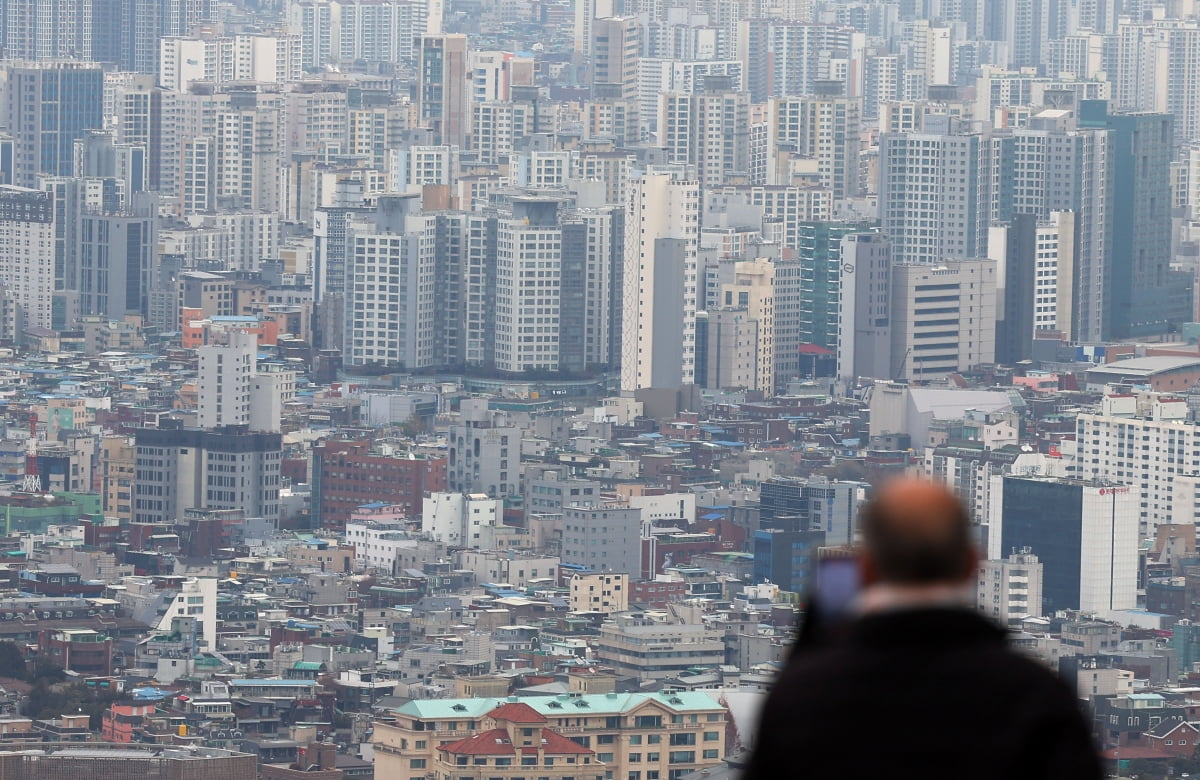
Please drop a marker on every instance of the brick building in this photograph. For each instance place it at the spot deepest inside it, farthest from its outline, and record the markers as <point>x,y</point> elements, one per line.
<point>347,474</point>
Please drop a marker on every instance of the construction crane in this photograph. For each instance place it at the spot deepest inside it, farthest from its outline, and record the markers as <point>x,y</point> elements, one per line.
<point>33,481</point>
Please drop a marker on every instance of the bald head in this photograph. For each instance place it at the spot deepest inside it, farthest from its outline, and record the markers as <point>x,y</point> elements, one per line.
<point>916,532</point>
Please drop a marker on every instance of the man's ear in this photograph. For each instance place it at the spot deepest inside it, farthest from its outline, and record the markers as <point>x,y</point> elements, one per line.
<point>868,573</point>
<point>971,564</point>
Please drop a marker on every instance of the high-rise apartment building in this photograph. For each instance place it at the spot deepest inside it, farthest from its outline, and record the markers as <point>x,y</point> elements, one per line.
<point>823,127</point>
<point>225,378</point>
<point>709,130</point>
<point>1054,164</point>
<point>660,283</point>
<point>390,277</point>
<point>1039,281</point>
<point>27,239</point>
<point>1143,441</point>
<point>932,201</point>
<point>266,59</point>
<point>145,22</point>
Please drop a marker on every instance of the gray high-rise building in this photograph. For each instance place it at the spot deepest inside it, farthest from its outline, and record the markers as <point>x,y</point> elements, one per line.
<point>1137,273</point>
<point>56,103</point>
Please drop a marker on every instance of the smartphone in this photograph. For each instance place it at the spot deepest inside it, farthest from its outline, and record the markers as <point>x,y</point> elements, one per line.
<point>838,585</point>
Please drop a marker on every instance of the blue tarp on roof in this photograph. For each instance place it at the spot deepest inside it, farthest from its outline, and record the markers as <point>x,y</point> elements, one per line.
<point>731,443</point>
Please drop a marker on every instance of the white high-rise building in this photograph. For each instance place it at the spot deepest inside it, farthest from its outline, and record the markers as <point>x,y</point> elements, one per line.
<point>333,31</point>
<point>824,128</point>
<point>1158,69</point>
<point>1144,441</point>
<point>662,232</point>
<point>943,318</point>
<point>390,275</point>
<point>930,203</point>
<point>269,59</point>
<point>226,380</point>
<point>709,130</point>
<point>528,286</point>
<point>27,239</point>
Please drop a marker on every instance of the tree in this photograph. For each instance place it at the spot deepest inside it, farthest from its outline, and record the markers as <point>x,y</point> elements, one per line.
<point>12,661</point>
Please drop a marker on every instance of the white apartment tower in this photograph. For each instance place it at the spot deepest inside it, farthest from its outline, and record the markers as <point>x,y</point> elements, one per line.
<point>390,275</point>
<point>930,203</point>
<point>27,239</point>
<point>226,379</point>
<point>528,286</point>
<point>662,232</point>
<point>709,130</point>
<point>824,128</point>
<point>1146,442</point>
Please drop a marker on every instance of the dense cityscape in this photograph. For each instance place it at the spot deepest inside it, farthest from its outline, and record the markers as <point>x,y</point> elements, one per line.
<point>475,389</point>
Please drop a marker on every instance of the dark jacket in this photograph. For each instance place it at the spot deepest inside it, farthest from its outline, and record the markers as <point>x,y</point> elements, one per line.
<point>923,693</point>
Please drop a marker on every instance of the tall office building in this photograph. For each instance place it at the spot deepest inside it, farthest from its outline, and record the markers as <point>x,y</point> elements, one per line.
<point>813,504</point>
<point>1084,532</point>
<point>930,199</point>
<point>1136,278</point>
<point>27,253</point>
<point>114,258</point>
<point>616,48</point>
<point>864,342</point>
<point>57,103</point>
<point>943,318</point>
<point>660,271</point>
<point>191,468</point>
<point>443,91</point>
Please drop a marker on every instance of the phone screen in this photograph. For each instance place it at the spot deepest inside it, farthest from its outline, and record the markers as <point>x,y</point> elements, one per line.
<point>837,585</point>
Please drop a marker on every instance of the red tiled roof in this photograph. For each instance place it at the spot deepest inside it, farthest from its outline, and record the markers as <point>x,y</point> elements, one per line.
<point>495,742</point>
<point>517,712</point>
